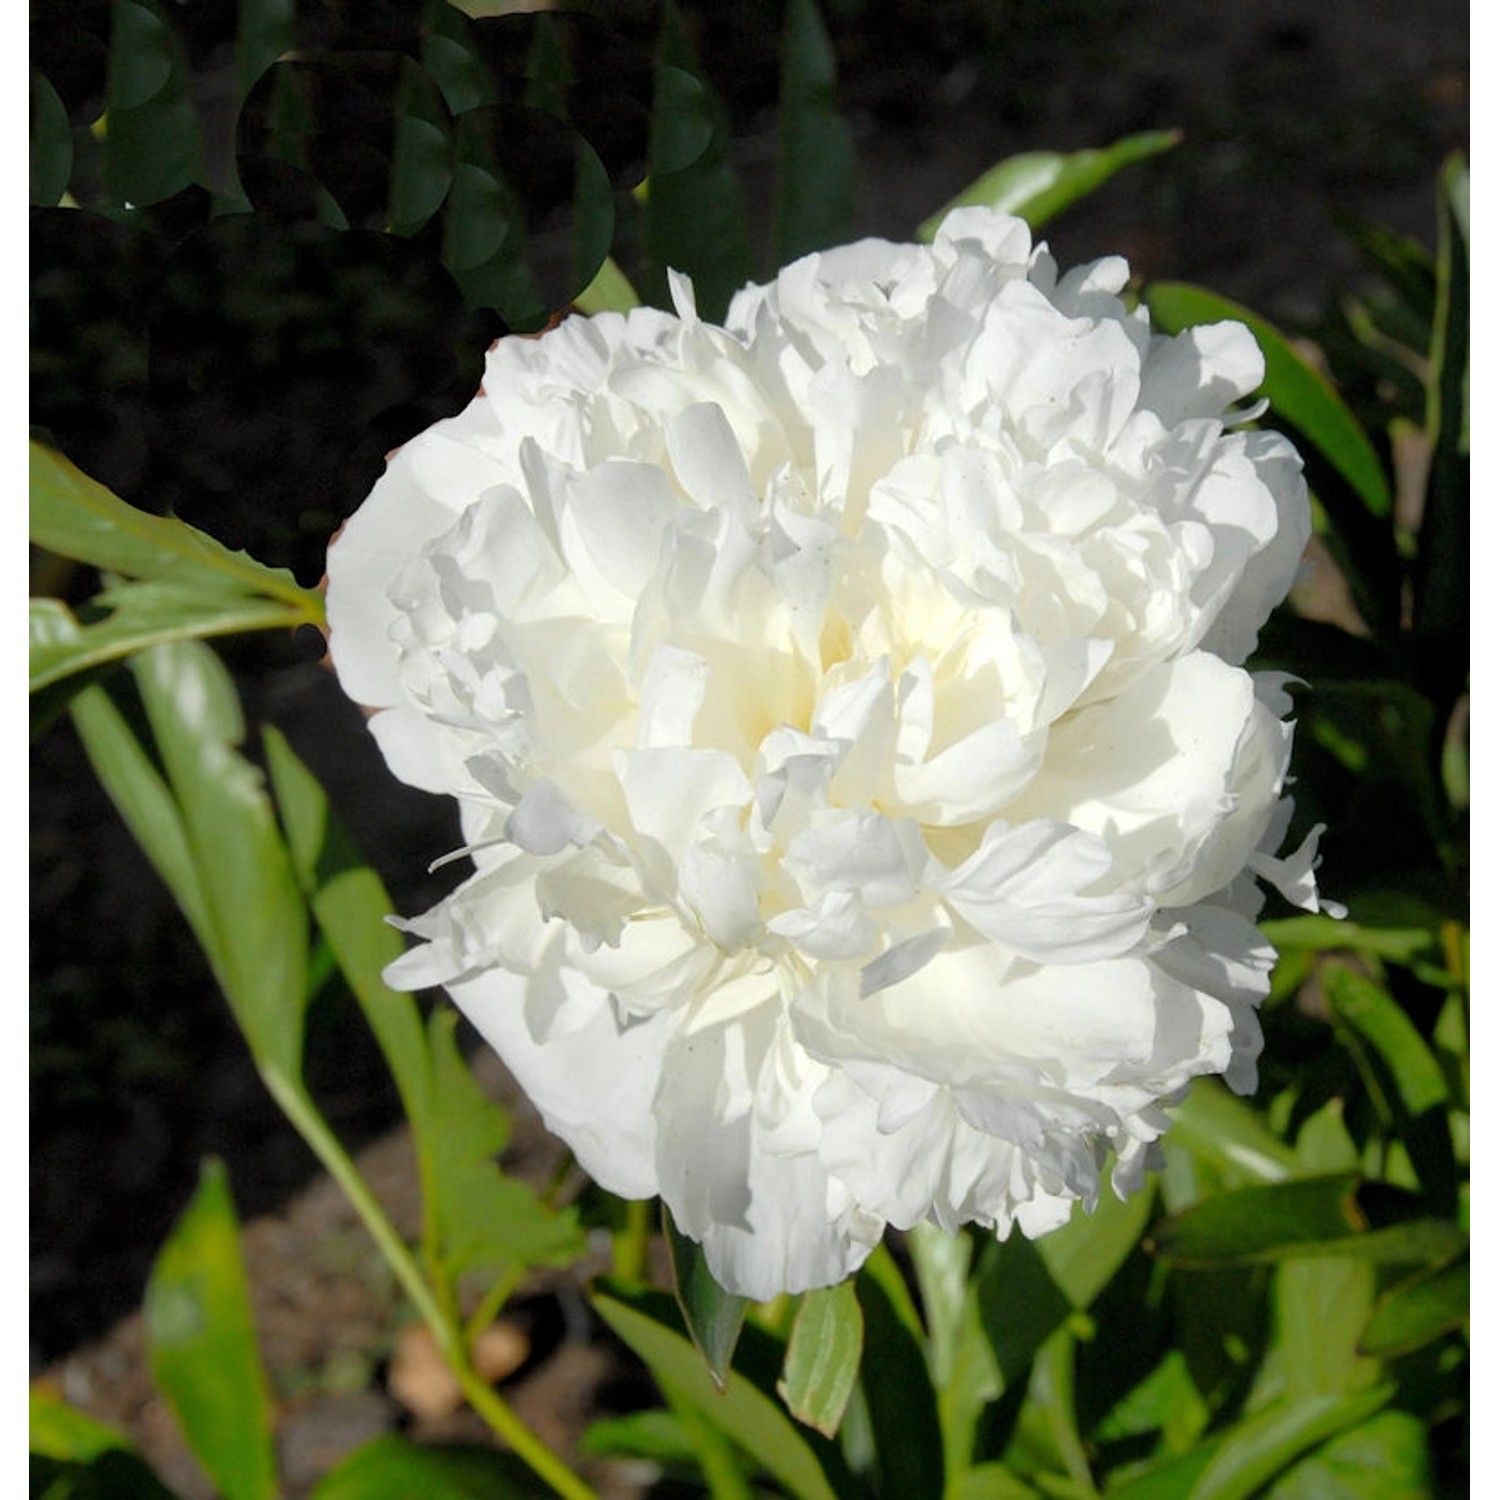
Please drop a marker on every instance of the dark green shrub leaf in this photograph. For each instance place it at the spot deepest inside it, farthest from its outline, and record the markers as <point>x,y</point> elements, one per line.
<point>713,1316</point>
<point>395,1468</point>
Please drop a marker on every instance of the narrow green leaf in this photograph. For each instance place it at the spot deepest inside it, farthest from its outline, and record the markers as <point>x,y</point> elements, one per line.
<point>653,1434</point>
<point>350,906</point>
<point>1261,1446</point>
<point>143,799</point>
<point>1320,934</point>
<point>713,1316</point>
<point>253,906</point>
<point>75,516</point>
<point>141,615</point>
<point>201,1341</point>
<point>1419,1310</point>
<point>989,1482</point>
<point>1440,608</point>
<point>51,144</point>
<point>58,1430</point>
<point>742,1411</point>
<point>897,1390</point>
<point>1369,1010</point>
<point>1019,1303</point>
<point>1040,184</point>
<point>1329,1215</point>
<point>1299,394</point>
<point>395,1468</point>
<point>822,1357</point>
<point>1214,1125</point>
<point>1385,1458</point>
<point>815,158</point>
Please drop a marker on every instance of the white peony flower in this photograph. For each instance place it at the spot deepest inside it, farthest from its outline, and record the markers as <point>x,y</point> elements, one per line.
<point>847,713</point>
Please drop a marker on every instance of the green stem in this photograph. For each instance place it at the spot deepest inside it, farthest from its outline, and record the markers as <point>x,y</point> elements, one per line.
<point>300,1110</point>
<point>633,1241</point>
<point>494,1299</point>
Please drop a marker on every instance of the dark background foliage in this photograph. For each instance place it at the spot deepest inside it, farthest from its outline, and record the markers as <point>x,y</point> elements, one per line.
<point>279,311</point>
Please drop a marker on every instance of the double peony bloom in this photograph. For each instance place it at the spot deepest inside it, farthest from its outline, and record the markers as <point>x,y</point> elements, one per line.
<point>846,709</point>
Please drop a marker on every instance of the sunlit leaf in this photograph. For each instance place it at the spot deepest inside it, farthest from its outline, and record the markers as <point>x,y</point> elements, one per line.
<point>609,291</point>
<point>815,156</point>
<point>822,1357</point>
<point>990,1482</point>
<point>1385,1458</point>
<point>201,1340</point>
<point>713,1316</point>
<point>1040,184</point>
<point>1370,1011</point>
<point>391,1467</point>
<point>75,516</point>
<point>1417,1311</point>
<point>255,914</point>
<point>1320,934</point>
<point>141,615</point>
<point>1299,394</point>
<point>742,1411</point>
<point>1211,1123</point>
<point>58,1430</point>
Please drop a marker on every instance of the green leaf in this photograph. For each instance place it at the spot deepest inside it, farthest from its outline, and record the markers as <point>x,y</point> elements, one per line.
<point>1419,1310</point>
<point>75,516</point>
<point>153,147</point>
<point>1299,394</point>
<point>1321,934</point>
<point>487,1220</point>
<point>57,1430</point>
<point>1040,184</point>
<point>742,1411</point>
<point>1440,608</point>
<point>267,29</point>
<point>822,1357</point>
<point>201,1342</point>
<point>1385,1458</point>
<point>51,144</point>
<point>255,918</point>
<point>395,1468</point>
<point>989,1482</point>
<point>1239,1461</point>
<point>1329,1215</point>
<point>1019,1303</point>
<point>695,211</point>
<point>1218,1128</point>
<point>1083,1256</point>
<point>815,159</point>
<point>653,1434</point>
<point>609,291</point>
<point>897,1390</point>
<point>141,615</point>
<point>713,1316</point>
<point>1367,1009</point>
<point>350,906</point>
<point>422,156</point>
